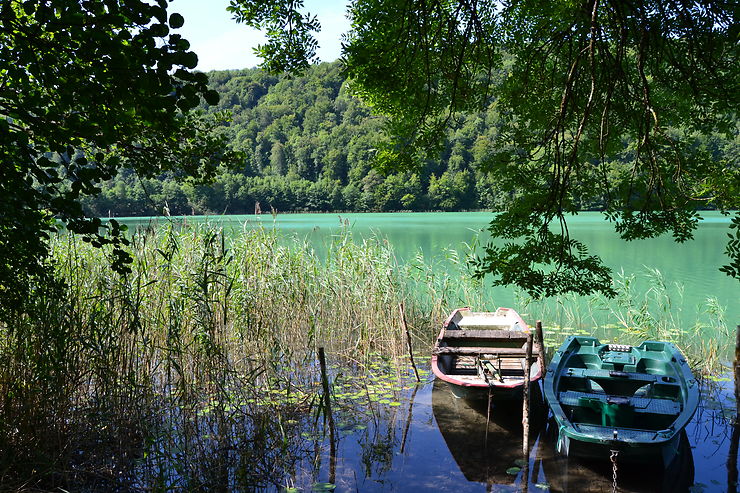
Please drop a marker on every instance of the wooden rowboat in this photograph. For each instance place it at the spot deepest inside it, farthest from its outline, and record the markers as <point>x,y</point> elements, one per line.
<point>482,353</point>
<point>612,397</point>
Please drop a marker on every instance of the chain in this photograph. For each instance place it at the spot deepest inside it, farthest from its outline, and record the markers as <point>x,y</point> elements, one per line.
<point>613,458</point>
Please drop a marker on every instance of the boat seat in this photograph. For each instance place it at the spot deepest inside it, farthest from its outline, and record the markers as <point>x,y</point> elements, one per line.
<point>487,334</point>
<point>503,352</point>
<point>597,375</point>
<point>645,405</point>
<point>621,382</point>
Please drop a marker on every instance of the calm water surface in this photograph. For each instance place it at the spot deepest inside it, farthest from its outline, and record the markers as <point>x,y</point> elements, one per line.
<point>432,441</point>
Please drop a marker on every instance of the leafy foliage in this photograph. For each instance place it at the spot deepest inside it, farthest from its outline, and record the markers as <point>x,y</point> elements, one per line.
<point>290,45</point>
<point>578,84</point>
<point>308,144</point>
<point>89,87</point>
<point>447,68</point>
<point>733,249</point>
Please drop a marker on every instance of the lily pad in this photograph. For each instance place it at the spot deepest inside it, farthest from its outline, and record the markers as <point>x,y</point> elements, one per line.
<point>513,471</point>
<point>323,487</point>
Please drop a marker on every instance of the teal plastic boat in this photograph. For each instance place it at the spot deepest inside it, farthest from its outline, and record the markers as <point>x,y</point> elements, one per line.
<point>635,400</point>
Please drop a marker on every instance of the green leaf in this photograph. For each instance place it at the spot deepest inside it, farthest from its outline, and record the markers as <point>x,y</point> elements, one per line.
<point>323,487</point>
<point>211,97</point>
<point>176,20</point>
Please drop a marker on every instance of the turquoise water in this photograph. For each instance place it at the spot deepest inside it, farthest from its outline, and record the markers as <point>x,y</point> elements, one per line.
<point>690,270</point>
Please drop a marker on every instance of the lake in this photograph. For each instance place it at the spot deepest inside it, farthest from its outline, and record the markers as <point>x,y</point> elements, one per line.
<point>689,270</point>
<point>433,441</point>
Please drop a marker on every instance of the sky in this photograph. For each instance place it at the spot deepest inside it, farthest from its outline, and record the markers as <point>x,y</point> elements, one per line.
<point>223,44</point>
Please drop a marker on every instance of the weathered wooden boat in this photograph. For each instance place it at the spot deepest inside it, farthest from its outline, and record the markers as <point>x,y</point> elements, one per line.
<point>612,397</point>
<point>482,354</point>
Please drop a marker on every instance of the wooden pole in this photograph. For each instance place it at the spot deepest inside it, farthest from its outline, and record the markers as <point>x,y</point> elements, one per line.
<point>732,473</point>
<point>329,417</point>
<point>542,360</point>
<point>525,400</point>
<point>325,385</point>
<point>526,414</point>
<point>540,345</point>
<point>408,341</point>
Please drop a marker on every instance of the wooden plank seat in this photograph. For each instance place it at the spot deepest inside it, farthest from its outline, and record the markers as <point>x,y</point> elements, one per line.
<point>493,335</point>
<point>504,352</point>
<point>647,405</point>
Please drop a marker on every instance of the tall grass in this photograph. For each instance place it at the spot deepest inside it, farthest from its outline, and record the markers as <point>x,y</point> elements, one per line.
<point>646,307</point>
<point>108,376</point>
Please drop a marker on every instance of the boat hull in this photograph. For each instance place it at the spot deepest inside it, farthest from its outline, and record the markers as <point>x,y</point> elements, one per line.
<point>662,453</point>
<point>633,400</point>
<point>476,393</point>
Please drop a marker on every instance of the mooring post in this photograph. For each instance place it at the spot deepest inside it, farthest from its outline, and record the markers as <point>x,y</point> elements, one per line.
<point>408,341</point>
<point>525,412</point>
<point>330,418</point>
<point>542,359</point>
<point>540,345</point>
<point>525,400</point>
<point>732,473</point>
<point>737,365</point>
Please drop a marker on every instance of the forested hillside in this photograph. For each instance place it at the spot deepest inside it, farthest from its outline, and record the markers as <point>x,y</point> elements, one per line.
<point>308,145</point>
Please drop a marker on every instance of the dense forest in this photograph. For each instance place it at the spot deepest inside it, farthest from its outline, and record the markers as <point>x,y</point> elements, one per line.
<point>308,145</point>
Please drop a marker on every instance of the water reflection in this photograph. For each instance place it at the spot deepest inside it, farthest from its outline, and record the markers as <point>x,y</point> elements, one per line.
<point>573,475</point>
<point>487,447</point>
<point>394,436</point>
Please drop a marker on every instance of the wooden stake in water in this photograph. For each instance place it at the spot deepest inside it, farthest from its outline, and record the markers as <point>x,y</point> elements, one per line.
<point>408,341</point>
<point>540,345</point>
<point>525,412</point>
<point>525,400</point>
<point>541,355</point>
<point>329,417</point>
<point>732,473</point>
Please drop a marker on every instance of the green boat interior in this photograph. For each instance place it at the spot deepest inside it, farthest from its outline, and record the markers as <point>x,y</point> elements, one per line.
<point>620,386</point>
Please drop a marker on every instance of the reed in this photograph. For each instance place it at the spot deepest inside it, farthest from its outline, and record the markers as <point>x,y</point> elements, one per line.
<point>646,307</point>
<point>105,373</point>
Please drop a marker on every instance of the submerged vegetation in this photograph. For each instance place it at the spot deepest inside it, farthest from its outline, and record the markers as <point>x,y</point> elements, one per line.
<point>198,369</point>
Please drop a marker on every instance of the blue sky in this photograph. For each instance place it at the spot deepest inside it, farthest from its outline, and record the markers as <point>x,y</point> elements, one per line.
<point>222,44</point>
